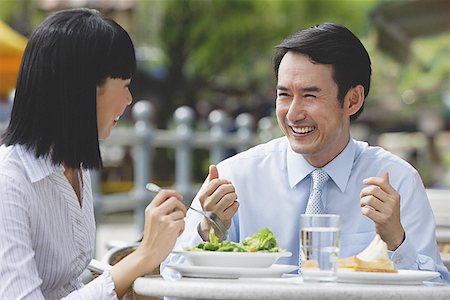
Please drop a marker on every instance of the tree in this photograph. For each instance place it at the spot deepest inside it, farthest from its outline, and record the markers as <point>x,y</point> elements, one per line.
<point>219,51</point>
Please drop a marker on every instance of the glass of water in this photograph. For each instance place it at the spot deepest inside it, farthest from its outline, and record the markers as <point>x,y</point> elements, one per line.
<point>319,247</point>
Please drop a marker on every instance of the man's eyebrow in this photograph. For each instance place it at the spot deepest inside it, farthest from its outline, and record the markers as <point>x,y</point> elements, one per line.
<point>305,89</point>
<point>311,89</point>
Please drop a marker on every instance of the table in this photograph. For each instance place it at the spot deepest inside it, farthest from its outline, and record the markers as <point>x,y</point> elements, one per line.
<point>283,288</point>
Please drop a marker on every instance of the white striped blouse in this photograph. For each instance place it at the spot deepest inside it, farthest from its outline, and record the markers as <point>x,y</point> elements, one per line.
<point>46,238</point>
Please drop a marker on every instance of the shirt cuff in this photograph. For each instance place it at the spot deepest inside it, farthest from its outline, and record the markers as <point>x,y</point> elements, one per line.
<point>108,286</point>
<point>101,288</point>
<point>405,256</point>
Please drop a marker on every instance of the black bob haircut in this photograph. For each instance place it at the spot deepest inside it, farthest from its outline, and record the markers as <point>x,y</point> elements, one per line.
<point>67,56</point>
<point>332,44</point>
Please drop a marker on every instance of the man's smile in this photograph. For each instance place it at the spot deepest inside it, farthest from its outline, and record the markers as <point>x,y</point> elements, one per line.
<point>302,129</point>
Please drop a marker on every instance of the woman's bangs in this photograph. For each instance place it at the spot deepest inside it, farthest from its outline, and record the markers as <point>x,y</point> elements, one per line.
<point>122,59</point>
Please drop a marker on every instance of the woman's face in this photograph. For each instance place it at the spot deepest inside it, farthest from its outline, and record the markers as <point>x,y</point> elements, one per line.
<point>113,97</point>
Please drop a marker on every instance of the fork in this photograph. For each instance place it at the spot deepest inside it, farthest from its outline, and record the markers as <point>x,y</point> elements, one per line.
<point>218,223</point>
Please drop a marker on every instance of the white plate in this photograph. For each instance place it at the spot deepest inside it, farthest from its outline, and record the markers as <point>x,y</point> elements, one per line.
<point>218,272</point>
<point>402,277</point>
<point>232,259</point>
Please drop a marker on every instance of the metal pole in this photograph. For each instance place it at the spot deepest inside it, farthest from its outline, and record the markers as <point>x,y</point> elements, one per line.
<point>245,123</point>
<point>142,112</point>
<point>184,116</point>
<point>218,121</point>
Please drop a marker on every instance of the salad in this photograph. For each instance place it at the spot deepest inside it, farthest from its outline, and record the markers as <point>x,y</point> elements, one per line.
<point>262,241</point>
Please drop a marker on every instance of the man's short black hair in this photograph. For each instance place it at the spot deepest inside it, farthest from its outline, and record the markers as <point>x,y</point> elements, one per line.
<point>332,44</point>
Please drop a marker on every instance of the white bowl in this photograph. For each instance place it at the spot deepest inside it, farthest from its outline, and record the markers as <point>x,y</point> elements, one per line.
<point>232,259</point>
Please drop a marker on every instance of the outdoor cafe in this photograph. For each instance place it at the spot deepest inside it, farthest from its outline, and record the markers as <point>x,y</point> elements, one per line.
<point>255,267</point>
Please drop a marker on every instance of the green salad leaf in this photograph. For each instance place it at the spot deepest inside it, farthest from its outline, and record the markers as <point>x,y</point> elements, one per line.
<point>262,241</point>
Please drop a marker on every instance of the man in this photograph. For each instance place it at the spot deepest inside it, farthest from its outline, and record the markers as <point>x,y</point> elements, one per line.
<point>323,78</point>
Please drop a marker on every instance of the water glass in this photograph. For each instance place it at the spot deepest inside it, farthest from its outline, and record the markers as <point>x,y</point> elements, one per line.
<point>319,247</point>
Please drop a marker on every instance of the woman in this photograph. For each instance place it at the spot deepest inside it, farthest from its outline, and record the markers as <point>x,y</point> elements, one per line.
<point>71,90</point>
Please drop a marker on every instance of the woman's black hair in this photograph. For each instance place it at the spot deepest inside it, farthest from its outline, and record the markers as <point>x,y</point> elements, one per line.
<point>332,44</point>
<point>67,56</point>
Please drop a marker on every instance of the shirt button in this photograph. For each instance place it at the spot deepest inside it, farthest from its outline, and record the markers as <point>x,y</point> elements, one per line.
<point>422,260</point>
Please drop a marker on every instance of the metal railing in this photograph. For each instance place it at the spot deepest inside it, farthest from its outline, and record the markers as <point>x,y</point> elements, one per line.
<point>143,139</point>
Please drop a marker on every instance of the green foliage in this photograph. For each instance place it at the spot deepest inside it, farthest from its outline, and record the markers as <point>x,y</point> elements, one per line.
<point>217,49</point>
<point>404,90</point>
<point>8,9</point>
<point>222,41</point>
<point>21,15</point>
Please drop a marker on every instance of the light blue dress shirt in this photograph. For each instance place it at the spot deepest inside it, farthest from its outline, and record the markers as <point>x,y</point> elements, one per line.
<point>273,184</point>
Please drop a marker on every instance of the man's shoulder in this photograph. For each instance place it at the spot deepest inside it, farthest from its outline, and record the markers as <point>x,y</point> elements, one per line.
<point>376,154</point>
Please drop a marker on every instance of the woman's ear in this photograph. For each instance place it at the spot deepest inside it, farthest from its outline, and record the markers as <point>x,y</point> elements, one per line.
<point>354,99</point>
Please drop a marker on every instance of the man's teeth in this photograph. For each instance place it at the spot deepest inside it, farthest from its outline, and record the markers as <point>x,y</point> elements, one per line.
<point>302,129</point>
<point>117,119</point>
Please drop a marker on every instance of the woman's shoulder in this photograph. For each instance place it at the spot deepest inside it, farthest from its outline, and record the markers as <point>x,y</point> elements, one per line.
<point>11,165</point>
<point>8,157</point>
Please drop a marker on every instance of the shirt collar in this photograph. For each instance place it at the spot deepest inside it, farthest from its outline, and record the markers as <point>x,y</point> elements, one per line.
<point>36,168</point>
<point>297,167</point>
<point>338,169</point>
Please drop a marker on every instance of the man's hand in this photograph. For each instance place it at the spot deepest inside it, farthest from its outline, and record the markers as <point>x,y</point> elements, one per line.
<point>220,198</point>
<point>381,203</point>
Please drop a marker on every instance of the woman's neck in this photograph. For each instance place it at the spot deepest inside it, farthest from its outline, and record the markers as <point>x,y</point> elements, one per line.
<point>75,180</point>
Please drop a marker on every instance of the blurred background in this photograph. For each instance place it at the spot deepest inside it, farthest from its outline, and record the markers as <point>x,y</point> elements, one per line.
<point>205,87</point>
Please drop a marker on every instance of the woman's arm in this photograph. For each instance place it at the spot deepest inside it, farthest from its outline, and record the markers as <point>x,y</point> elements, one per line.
<point>164,223</point>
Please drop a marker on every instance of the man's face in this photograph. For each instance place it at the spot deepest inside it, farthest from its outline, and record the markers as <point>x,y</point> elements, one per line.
<point>308,111</point>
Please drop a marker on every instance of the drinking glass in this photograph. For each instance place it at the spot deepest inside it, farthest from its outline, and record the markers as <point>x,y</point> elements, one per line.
<point>319,247</point>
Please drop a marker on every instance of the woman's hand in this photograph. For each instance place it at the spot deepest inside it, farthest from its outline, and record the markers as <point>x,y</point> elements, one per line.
<point>164,223</point>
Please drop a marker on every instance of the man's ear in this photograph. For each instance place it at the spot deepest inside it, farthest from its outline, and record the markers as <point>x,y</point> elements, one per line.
<point>354,99</point>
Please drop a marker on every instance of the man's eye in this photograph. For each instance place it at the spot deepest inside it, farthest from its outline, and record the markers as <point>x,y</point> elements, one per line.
<point>309,96</point>
<point>283,95</point>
